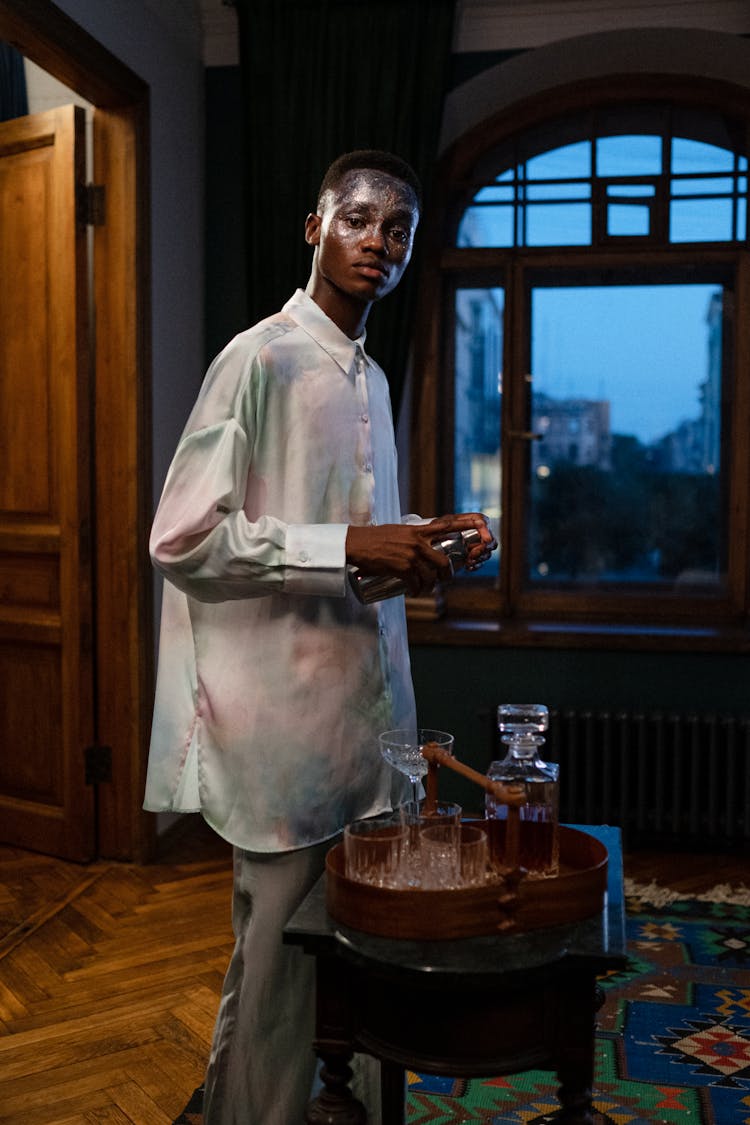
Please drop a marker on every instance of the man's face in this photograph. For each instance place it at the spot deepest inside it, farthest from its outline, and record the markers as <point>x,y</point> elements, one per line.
<point>364,233</point>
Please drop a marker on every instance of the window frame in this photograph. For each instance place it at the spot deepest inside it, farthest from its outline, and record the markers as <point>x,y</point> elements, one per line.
<point>505,610</point>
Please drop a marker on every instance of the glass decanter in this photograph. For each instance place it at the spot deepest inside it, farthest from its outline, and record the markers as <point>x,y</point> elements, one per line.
<point>524,832</point>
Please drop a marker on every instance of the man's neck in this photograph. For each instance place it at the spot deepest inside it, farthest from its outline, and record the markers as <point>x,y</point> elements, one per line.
<point>346,313</point>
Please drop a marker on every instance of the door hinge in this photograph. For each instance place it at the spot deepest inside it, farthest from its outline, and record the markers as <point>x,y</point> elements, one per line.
<point>90,205</point>
<point>98,761</point>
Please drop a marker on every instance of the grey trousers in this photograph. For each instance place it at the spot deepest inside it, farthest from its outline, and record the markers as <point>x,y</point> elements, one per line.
<point>262,1066</point>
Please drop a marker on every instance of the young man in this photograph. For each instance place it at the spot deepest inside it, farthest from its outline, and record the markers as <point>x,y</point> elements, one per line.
<point>273,680</point>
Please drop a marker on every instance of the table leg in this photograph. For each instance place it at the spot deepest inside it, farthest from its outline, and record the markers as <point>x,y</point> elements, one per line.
<point>575,1055</point>
<point>335,1104</point>
<point>576,1107</point>
<point>393,1093</point>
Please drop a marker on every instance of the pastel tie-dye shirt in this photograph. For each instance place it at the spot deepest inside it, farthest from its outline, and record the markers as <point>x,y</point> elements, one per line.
<point>273,681</point>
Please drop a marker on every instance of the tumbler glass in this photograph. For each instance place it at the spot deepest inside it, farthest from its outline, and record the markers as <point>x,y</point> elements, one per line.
<point>414,816</point>
<point>439,856</point>
<point>373,850</point>
<point>473,855</point>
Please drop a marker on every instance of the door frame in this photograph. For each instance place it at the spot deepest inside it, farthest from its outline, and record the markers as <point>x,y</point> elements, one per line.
<point>123,608</point>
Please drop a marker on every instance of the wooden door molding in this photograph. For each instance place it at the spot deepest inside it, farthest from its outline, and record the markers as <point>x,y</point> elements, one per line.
<point>124,629</point>
<point>122,432</point>
<point>56,43</point>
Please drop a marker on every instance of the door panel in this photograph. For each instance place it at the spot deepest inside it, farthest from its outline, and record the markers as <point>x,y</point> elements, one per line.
<point>46,699</point>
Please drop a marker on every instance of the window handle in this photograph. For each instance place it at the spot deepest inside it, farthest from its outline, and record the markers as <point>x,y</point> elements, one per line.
<point>524,435</point>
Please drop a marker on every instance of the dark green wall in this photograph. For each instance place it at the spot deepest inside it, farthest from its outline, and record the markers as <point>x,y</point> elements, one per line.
<point>458,689</point>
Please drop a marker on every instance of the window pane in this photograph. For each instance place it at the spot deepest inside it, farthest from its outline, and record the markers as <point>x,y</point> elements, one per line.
<point>628,219</point>
<point>628,156</point>
<point>565,163</point>
<point>558,224</point>
<point>486,226</point>
<point>625,485</point>
<point>699,185</point>
<point>577,191</point>
<point>478,390</point>
<point>700,220</point>
<point>696,157</point>
<point>637,191</point>
<point>496,193</point>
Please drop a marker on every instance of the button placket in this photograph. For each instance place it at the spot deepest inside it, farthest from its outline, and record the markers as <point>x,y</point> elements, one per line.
<point>360,365</point>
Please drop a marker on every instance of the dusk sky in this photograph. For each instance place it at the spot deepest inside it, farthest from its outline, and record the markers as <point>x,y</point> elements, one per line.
<point>645,348</point>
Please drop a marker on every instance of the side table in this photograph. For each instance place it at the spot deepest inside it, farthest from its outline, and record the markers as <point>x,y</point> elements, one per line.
<point>478,1007</point>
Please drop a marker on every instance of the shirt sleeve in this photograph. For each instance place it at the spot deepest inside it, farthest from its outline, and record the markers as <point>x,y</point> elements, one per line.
<point>204,543</point>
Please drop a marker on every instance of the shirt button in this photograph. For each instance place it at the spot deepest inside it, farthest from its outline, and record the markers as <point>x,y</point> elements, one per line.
<point>368,467</point>
<point>304,557</point>
<point>365,417</point>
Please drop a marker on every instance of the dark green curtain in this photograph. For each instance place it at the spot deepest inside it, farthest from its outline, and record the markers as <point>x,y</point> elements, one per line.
<point>321,77</point>
<point>13,97</point>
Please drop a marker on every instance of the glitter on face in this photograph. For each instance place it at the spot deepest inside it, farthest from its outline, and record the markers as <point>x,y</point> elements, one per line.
<point>377,200</point>
<point>363,234</point>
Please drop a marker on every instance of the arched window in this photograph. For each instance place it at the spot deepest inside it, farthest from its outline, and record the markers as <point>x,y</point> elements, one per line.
<point>591,344</point>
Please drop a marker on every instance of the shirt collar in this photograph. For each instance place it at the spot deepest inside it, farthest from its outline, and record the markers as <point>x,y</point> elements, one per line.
<point>309,316</point>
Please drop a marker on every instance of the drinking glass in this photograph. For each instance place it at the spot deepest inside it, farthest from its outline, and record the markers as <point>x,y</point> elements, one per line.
<point>402,749</point>
<point>373,849</point>
<point>473,854</point>
<point>416,815</point>
<point>439,856</point>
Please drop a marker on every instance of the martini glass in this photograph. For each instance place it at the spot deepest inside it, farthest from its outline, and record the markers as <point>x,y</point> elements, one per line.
<point>402,749</point>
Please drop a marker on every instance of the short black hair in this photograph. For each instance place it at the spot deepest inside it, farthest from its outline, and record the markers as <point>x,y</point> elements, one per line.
<point>372,159</point>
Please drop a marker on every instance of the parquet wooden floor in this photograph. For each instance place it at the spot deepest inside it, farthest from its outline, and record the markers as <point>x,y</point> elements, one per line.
<point>110,978</point>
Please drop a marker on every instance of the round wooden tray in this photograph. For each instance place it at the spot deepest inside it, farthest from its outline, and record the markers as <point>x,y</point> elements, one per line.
<point>576,893</point>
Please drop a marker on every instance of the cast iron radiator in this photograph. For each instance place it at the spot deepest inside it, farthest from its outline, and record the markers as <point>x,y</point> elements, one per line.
<point>667,780</point>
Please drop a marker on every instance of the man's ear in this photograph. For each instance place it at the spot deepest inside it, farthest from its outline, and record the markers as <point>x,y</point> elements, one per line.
<point>312,229</point>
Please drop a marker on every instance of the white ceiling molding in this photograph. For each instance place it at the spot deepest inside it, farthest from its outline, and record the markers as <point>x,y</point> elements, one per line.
<point>502,25</point>
<point>705,54</point>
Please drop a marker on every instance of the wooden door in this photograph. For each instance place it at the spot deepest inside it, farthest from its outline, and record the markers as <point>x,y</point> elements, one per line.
<point>46,696</point>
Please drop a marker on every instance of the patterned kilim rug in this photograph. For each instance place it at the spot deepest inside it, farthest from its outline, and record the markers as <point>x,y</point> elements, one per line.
<point>673,1041</point>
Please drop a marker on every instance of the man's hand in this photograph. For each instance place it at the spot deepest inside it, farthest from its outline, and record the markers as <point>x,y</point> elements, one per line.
<point>481,552</point>
<point>406,551</point>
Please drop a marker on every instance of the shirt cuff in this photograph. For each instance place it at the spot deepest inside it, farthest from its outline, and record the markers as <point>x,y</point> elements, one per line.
<point>316,559</point>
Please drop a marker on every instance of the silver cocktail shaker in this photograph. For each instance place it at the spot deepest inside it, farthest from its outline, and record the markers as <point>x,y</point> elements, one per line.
<point>377,587</point>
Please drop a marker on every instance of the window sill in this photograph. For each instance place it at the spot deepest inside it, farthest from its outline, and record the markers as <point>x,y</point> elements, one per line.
<point>466,631</point>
